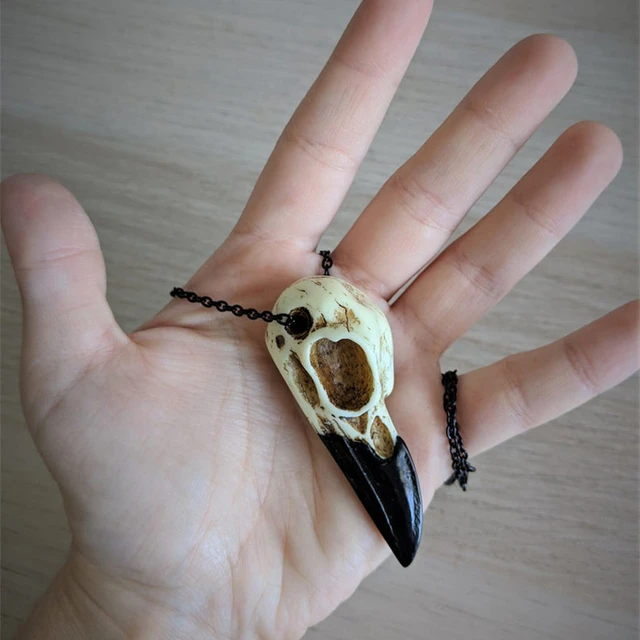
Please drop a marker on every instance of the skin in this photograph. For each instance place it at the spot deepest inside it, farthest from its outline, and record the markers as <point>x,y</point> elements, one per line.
<point>201,504</point>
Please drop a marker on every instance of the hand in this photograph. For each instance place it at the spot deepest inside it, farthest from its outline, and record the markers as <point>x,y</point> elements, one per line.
<point>201,504</point>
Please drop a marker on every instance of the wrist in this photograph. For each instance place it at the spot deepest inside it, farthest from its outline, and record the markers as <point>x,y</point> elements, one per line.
<point>83,602</point>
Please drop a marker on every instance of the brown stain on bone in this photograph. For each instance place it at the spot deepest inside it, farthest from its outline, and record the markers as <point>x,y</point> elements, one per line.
<point>321,323</point>
<point>347,318</point>
<point>386,351</point>
<point>304,381</point>
<point>381,437</point>
<point>327,426</point>
<point>352,318</point>
<point>339,319</point>
<point>344,372</point>
<point>280,341</point>
<point>359,423</point>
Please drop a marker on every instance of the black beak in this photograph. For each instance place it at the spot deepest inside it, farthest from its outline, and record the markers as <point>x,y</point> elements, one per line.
<point>387,487</point>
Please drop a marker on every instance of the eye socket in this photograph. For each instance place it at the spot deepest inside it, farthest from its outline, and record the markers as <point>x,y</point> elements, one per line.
<point>300,323</point>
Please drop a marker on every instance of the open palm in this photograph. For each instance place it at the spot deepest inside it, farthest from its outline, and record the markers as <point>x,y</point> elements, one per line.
<point>195,491</point>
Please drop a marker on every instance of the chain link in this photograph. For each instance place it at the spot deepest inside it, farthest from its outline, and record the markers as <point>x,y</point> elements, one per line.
<point>238,310</point>
<point>327,261</point>
<point>459,456</point>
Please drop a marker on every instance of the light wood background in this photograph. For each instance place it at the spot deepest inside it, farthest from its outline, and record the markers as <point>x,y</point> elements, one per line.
<point>159,115</point>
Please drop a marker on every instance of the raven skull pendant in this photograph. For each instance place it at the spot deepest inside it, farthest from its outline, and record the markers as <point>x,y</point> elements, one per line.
<point>336,355</point>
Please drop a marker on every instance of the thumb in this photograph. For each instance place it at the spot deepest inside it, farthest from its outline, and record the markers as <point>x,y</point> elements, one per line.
<point>68,326</point>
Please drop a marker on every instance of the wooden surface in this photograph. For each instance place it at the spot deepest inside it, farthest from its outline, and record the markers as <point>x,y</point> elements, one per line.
<point>159,114</point>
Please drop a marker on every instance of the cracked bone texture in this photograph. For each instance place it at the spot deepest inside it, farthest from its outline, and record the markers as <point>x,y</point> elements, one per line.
<point>341,370</point>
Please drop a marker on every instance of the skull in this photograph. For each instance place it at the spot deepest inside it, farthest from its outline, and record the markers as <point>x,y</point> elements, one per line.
<point>337,358</point>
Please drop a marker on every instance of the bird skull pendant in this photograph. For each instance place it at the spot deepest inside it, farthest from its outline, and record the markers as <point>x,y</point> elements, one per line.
<point>336,355</point>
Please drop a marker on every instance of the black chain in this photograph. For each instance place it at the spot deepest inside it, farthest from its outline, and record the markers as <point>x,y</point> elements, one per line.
<point>459,456</point>
<point>327,261</point>
<point>238,310</point>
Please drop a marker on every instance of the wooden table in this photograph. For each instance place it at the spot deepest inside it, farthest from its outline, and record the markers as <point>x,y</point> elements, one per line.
<point>159,114</point>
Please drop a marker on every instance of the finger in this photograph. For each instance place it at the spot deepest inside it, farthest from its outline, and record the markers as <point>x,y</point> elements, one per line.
<point>420,206</point>
<point>481,266</point>
<point>320,150</point>
<point>528,389</point>
<point>61,275</point>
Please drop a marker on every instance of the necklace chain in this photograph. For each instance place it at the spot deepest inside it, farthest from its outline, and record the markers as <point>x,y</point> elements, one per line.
<point>238,310</point>
<point>327,261</point>
<point>459,456</point>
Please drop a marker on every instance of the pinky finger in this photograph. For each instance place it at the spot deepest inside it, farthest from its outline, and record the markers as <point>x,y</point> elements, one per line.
<point>528,389</point>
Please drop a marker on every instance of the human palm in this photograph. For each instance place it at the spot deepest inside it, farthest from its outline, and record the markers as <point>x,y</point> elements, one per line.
<point>184,461</point>
<point>192,484</point>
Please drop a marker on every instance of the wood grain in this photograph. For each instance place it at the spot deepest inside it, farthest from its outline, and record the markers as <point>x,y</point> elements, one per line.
<point>159,115</point>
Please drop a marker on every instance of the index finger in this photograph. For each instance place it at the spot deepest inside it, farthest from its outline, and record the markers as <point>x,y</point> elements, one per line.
<point>321,148</point>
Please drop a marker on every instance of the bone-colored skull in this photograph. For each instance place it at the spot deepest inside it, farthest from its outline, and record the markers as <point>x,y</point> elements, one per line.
<point>337,360</point>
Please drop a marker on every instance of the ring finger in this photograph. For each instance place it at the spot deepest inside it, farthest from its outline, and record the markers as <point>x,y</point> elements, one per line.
<point>481,266</point>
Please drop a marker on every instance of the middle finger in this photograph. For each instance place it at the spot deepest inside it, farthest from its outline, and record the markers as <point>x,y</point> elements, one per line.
<point>420,206</point>
<point>320,150</point>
